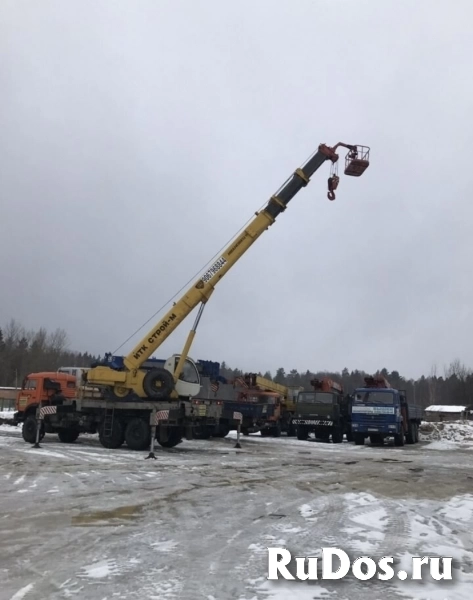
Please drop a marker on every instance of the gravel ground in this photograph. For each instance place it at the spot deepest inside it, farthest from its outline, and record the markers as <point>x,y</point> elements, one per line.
<point>82,521</point>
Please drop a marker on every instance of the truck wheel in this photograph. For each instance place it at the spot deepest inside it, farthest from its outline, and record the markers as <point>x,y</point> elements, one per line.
<point>137,434</point>
<point>158,384</point>
<point>399,439</point>
<point>302,434</point>
<point>410,436</point>
<point>265,432</point>
<point>68,436</point>
<point>291,430</point>
<point>359,439</point>
<point>115,438</point>
<point>416,433</point>
<point>173,438</point>
<point>28,430</point>
<point>349,435</point>
<point>276,431</point>
<point>221,432</point>
<point>337,436</point>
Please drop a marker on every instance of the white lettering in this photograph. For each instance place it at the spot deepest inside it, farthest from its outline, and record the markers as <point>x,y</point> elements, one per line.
<point>311,568</point>
<point>370,568</point>
<point>417,563</point>
<point>388,571</point>
<point>446,568</point>
<point>327,563</point>
<point>275,565</point>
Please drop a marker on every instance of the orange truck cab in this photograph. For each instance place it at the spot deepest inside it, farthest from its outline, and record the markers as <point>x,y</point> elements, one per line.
<point>41,389</point>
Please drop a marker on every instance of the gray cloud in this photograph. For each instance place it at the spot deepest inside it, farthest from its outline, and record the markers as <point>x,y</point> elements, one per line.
<point>138,137</point>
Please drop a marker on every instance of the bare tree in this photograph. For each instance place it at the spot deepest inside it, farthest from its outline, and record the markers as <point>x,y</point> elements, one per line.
<point>433,385</point>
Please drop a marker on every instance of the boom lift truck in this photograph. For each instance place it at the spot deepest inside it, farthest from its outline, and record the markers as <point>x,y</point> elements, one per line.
<point>379,412</point>
<point>132,398</point>
<point>324,412</point>
<point>279,419</point>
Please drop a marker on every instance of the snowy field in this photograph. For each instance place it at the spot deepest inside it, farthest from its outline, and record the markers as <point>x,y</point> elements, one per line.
<point>80,521</point>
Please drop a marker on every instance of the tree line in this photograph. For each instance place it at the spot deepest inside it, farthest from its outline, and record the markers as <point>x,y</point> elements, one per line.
<point>455,386</point>
<point>27,351</point>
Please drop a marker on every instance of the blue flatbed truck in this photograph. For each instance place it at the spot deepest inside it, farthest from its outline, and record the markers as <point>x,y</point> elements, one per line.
<point>379,411</point>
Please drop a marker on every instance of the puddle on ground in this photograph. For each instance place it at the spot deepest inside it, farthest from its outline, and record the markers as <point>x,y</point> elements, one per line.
<point>107,517</point>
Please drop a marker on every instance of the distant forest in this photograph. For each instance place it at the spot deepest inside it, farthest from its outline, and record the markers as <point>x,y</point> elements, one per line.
<point>26,351</point>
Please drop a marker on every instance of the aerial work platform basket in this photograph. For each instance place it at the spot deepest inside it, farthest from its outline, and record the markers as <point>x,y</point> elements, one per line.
<point>357,161</point>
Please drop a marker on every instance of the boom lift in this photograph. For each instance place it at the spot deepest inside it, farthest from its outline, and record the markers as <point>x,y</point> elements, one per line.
<point>123,378</point>
<point>280,419</point>
<point>324,412</point>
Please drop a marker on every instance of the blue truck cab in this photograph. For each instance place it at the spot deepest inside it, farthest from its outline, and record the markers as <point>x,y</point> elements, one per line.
<point>379,411</point>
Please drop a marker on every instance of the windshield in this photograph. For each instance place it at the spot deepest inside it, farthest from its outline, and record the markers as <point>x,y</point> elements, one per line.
<point>315,397</point>
<point>375,397</point>
<point>189,372</point>
<point>30,384</point>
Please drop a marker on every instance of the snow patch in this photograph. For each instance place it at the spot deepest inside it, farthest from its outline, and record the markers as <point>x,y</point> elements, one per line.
<point>447,435</point>
<point>459,508</point>
<point>308,512</point>
<point>99,570</point>
<point>362,499</point>
<point>165,545</point>
<point>20,594</point>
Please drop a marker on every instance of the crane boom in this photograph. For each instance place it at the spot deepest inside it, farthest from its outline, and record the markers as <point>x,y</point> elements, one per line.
<point>127,378</point>
<point>201,290</point>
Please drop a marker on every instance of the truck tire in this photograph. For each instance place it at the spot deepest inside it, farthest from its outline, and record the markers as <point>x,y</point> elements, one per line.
<point>411,435</point>
<point>68,436</point>
<point>28,430</point>
<point>174,438</point>
<point>399,439</point>
<point>302,434</point>
<point>359,439</point>
<point>265,432</point>
<point>137,434</point>
<point>349,435</point>
<point>221,431</point>
<point>276,431</point>
<point>291,430</point>
<point>115,439</point>
<point>415,428</point>
<point>337,436</point>
<point>158,384</point>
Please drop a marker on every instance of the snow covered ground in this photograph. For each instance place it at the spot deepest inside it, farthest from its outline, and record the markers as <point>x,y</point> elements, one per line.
<point>449,434</point>
<point>80,521</point>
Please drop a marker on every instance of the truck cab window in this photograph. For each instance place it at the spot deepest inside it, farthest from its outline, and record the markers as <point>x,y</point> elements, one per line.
<point>31,384</point>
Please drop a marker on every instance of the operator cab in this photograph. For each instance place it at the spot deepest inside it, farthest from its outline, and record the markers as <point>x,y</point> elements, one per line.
<point>188,385</point>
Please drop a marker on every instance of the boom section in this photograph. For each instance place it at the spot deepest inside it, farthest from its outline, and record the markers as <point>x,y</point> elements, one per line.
<point>201,290</point>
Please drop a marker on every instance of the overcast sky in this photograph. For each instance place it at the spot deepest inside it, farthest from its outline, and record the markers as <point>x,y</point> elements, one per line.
<point>136,137</point>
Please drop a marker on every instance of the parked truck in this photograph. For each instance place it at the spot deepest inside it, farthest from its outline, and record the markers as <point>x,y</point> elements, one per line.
<point>280,399</point>
<point>325,412</point>
<point>380,411</point>
<point>60,390</point>
<point>121,397</point>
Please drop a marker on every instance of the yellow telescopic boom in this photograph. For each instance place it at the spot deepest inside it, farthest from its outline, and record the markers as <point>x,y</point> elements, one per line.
<point>131,378</point>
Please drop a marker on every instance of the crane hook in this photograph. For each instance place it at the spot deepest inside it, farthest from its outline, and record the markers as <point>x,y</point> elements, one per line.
<point>332,186</point>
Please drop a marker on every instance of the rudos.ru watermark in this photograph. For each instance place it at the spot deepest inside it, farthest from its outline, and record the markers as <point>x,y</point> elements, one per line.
<point>363,567</point>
